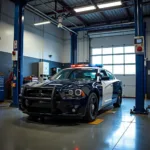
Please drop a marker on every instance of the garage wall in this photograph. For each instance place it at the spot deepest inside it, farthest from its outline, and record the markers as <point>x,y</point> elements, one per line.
<point>83,47</point>
<point>39,42</point>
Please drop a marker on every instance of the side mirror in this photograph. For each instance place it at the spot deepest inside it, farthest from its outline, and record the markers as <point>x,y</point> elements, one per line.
<point>104,78</point>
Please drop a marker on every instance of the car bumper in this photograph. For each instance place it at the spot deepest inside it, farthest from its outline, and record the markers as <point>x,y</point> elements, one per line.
<point>48,107</point>
<point>63,115</point>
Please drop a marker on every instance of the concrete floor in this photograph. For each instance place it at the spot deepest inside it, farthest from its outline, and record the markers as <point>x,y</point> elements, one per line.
<point>118,131</point>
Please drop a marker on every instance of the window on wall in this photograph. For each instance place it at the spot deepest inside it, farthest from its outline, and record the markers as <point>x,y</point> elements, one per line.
<point>118,60</point>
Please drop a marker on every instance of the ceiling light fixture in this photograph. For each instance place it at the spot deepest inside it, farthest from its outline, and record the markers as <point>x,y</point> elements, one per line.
<point>42,23</point>
<point>60,20</point>
<point>111,4</point>
<point>86,8</point>
<point>60,25</point>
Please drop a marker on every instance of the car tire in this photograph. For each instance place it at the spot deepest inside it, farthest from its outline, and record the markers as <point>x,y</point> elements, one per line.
<point>92,107</point>
<point>119,99</point>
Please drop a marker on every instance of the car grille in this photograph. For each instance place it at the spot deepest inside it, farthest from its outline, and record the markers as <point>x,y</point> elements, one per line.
<point>39,92</point>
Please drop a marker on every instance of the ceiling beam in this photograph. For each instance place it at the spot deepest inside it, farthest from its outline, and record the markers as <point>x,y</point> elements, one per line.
<point>125,20</point>
<point>99,10</point>
<point>105,23</point>
<point>58,11</point>
<point>71,11</point>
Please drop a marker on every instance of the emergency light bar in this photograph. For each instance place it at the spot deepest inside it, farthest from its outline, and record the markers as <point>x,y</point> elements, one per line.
<point>86,65</point>
<point>97,65</point>
<point>79,65</point>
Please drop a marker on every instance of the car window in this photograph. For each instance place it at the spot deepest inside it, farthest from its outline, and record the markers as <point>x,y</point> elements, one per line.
<point>77,74</point>
<point>64,74</point>
<point>86,74</point>
<point>110,75</point>
<point>103,73</point>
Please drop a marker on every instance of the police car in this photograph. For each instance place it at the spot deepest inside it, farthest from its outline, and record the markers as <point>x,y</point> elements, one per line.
<point>80,91</point>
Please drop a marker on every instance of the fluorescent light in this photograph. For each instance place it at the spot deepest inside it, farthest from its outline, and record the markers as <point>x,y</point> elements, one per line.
<point>42,23</point>
<point>112,4</point>
<point>86,8</point>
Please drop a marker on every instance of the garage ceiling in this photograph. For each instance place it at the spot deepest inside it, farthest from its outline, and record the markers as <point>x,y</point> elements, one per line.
<point>64,8</point>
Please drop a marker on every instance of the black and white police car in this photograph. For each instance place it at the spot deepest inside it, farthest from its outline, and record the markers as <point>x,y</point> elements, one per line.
<point>79,91</point>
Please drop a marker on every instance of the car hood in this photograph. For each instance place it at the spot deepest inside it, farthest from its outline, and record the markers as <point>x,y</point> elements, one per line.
<point>60,83</point>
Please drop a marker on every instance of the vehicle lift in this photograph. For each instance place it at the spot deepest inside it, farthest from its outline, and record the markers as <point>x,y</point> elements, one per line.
<point>17,53</point>
<point>140,59</point>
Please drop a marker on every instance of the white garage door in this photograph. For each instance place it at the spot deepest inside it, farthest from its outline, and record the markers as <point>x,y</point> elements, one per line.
<point>121,62</point>
<point>117,55</point>
<point>129,85</point>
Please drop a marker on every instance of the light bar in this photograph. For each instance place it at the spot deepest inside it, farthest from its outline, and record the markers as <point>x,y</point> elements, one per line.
<point>86,65</point>
<point>79,65</point>
<point>97,65</point>
<point>86,8</point>
<point>111,4</point>
<point>42,23</point>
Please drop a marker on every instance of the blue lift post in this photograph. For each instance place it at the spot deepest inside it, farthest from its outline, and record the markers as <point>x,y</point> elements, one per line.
<point>73,48</point>
<point>139,103</point>
<point>145,67</point>
<point>18,47</point>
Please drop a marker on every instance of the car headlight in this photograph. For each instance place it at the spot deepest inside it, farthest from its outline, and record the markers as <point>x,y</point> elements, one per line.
<point>74,93</point>
<point>70,92</point>
<point>78,92</point>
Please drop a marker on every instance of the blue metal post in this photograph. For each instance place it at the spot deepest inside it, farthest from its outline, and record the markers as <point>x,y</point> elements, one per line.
<point>145,69</point>
<point>18,47</point>
<point>20,52</point>
<point>139,103</point>
<point>73,48</point>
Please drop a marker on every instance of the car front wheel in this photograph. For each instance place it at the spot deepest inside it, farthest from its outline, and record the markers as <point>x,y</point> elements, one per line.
<point>92,108</point>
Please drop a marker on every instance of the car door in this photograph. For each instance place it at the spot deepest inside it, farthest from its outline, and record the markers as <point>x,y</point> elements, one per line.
<point>107,89</point>
<point>114,82</point>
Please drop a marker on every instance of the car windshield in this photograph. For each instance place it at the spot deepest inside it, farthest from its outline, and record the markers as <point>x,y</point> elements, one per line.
<point>77,74</point>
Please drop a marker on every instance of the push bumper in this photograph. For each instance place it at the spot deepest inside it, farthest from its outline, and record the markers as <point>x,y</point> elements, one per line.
<point>63,115</point>
<point>70,108</point>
